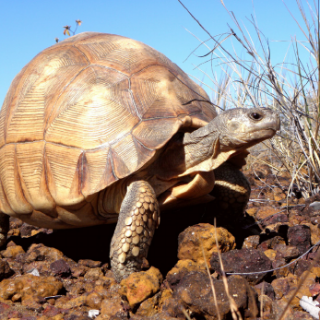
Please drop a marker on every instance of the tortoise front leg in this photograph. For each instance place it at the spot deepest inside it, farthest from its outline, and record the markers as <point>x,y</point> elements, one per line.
<point>138,218</point>
<point>4,227</point>
<point>231,190</point>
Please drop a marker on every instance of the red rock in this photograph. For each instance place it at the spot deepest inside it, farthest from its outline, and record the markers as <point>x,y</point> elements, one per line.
<point>314,289</point>
<point>243,261</point>
<point>60,268</point>
<point>12,252</point>
<point>89,263</point>
<point>195,293</point>
<point>203,235</point>
<point>182,268</point>
<point>141,285</point>
<point>251,242</point>
<point>29,285</point>
<point>300,237</point>
<point>5,270</point>
<point>93,274</point>
<point>111,307</point>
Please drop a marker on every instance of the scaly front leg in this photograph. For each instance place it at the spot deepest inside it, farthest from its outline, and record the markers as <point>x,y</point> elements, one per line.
<point>231,190</point>
<point>138,218</point>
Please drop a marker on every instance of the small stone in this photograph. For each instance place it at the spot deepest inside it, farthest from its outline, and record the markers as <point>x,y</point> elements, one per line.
<point>265,212</point>
<point>271,254</point>
<point>315,206</point>
<point>93,313</point>
<point>5,270</point>
<point>243,261</point>
<point>287,252</point>
<point>60,268</point>
<point>279,217</point>
<point>89,263</point>
<point>265,288</point>
<point>300,237</point>
<point>192,239</point>
<point>29,285</point>
<point>67,303</point>
<point>39,252</point>
<point>251,242</point>
<point>141,285</point>
<point>93,274</point>
<point>252,211</point>
<point>112,306</point>
<point>12,252</point>
<point>195,293</point>
<point>181,269</point>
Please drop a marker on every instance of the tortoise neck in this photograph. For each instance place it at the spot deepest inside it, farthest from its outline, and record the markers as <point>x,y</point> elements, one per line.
<point>185,152</point>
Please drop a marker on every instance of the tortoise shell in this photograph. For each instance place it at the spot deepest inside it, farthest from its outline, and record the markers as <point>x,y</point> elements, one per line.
<point>85,113</point>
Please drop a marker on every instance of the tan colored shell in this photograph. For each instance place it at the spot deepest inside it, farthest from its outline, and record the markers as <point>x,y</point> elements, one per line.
<point>84,113</point>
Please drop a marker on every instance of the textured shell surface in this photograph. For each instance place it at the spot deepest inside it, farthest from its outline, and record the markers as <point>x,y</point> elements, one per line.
<point>85,113</point>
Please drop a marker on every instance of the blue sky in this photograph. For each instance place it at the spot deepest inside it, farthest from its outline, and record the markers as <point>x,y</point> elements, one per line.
<point>29,26</point>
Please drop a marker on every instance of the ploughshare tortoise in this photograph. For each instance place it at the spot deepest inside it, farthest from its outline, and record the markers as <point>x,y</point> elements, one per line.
<point>100,128</point>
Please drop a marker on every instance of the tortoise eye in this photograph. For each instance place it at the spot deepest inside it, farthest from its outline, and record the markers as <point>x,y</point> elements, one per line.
<point>255,116</point>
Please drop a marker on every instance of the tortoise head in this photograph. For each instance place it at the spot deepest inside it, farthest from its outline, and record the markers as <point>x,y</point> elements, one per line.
<point>243,128</point>
<point>227,135</point>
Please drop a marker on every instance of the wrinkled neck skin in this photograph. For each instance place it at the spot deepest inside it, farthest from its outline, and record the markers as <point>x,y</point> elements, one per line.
<point>202,150</point>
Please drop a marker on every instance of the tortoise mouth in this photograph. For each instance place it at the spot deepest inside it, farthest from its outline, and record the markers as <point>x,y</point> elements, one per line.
<point>262,134</point>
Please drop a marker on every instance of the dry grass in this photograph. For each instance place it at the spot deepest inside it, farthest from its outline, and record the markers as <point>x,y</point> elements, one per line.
<point>291,88</point>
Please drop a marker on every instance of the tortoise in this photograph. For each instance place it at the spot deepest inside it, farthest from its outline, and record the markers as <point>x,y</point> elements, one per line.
<point>100,128</point>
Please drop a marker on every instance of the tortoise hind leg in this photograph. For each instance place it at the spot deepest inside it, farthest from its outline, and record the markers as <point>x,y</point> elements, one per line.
<point>138,218</point>
<point>4,227</point>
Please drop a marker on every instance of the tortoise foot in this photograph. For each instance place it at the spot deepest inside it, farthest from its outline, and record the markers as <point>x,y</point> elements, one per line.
<point>138,218</point>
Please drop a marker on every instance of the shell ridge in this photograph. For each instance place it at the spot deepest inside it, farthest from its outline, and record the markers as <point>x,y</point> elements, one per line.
<point>5,195</point>
<point>19,175</point>
<point>110,160</point>
<point>7,114</point>
<point>83,53</point>
<point>133,100</point>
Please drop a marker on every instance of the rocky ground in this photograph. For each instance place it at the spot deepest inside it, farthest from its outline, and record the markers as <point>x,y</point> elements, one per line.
<point>65,274</point>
